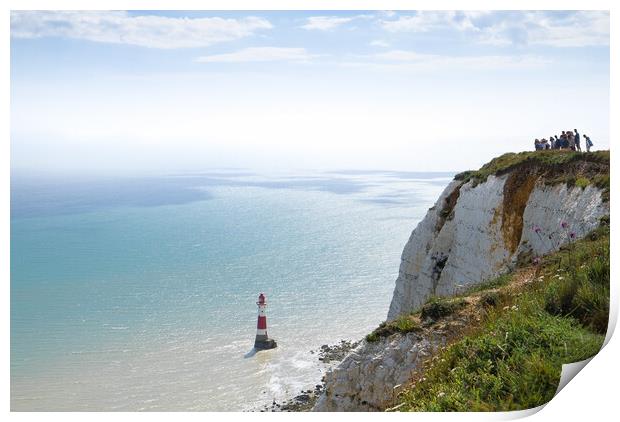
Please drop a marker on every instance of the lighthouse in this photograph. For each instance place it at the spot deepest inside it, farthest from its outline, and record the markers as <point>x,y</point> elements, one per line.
<point>263,342</point>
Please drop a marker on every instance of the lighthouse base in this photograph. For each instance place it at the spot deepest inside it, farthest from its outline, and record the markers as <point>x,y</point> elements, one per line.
<point>265,344</point>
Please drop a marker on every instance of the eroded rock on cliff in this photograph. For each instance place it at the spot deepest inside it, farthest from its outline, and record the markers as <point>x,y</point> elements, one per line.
<point>365,380</point>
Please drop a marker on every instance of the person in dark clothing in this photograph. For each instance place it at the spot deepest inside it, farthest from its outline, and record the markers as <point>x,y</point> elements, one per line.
<point>564,138</point>
<point>556,143</point>
<point>577,140</point>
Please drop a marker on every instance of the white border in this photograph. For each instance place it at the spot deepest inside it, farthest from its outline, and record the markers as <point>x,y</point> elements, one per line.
<point>591,395</point>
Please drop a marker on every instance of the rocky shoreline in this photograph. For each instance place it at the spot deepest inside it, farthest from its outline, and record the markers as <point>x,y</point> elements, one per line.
<point>306,399</point>
<point>336,352</point>
<point>303,402</point>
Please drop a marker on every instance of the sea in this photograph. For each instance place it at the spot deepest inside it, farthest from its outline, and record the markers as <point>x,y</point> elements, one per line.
<point>139,293</point>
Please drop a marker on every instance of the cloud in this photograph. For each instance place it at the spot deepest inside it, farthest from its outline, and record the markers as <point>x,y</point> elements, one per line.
<point>260,54</point>
<point>122,28</point>
<point>402,55</point>
<point>425,21</point>
<point>379,43</point>
<point>327,23</point>
<point>386,13</point>
<point>574,29</point>
<point>411,60</point>
<point>551,28</point>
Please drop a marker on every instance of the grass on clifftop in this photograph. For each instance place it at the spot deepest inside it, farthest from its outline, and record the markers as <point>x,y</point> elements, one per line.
<point>508,161</point>
<point>512,360</point>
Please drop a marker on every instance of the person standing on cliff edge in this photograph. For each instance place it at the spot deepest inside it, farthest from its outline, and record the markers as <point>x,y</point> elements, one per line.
<point>588,142</point>
<point>577,140</point>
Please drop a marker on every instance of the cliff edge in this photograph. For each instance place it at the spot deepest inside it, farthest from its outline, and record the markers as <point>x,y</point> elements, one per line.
<point>482,224</point>
<point>514,210</point>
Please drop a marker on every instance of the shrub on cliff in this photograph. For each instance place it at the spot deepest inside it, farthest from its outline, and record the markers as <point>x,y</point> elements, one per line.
<point>493,298</point>
<point>403,324</point>
<point>437,308</point>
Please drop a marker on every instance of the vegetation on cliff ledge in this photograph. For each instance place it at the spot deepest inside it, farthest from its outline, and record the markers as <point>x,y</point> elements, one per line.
<point>558,166</point>
<point>434,310</point>
<point>512,358</point>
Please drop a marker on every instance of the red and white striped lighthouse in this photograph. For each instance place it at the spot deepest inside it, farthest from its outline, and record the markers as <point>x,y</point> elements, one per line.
<point>262,341</point>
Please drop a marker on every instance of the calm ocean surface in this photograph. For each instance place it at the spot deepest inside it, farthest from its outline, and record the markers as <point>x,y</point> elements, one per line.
<point>139,294</point>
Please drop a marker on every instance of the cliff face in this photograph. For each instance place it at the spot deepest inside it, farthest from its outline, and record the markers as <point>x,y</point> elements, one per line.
<point>490,227</point>
<point>365,380</point>
<point>478,229</point>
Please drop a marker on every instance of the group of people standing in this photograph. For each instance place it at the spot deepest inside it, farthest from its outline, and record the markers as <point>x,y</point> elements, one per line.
<point>567,140</point>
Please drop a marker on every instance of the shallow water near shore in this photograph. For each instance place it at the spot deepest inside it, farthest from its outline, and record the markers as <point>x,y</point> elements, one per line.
<point>139,294</point>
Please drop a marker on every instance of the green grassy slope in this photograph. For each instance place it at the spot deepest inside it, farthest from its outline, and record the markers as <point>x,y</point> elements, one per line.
<point>511,359</point>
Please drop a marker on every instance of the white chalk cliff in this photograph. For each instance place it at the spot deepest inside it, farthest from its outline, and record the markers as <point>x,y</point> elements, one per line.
<point>487,233</point>
<point>474,233</point>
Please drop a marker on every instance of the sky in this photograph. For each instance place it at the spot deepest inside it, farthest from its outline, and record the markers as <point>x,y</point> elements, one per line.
<point>175,91</point>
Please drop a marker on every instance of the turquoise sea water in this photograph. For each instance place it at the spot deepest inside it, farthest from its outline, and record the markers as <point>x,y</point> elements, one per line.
<point>139,294</point>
